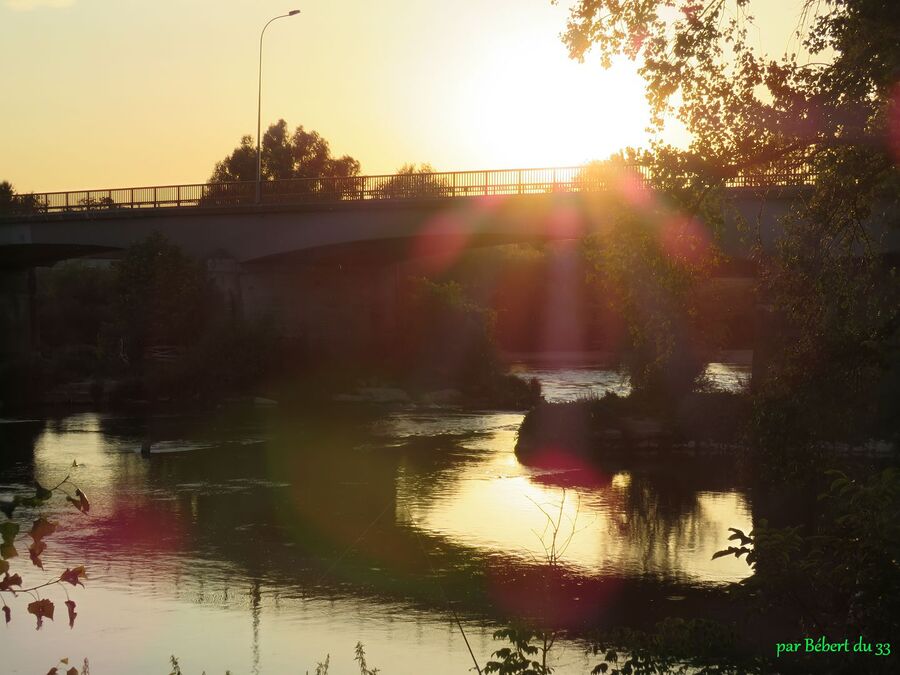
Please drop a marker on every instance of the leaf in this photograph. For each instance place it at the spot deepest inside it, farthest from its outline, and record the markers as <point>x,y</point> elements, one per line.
<point>744,539</point>
<point>41,608</point>
<point>80,501</point>
<point>7,612</point>
<point>54,670</point>
<point>8,582</point>
<point>42,528</point>
<point>70,605</point>
<point>8,551</point>
<point>8,532</point>
<point>41,493</point>
<point>4,567</point>
<point>74,575</point>
<point>34,551</point>
<point>72,671</point>
<point>7,506</point>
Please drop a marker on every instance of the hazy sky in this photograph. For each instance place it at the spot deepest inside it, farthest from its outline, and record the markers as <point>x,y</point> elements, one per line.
<point>105,93</point>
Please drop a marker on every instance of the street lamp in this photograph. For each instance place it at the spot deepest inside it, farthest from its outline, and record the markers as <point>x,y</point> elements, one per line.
<point>293,12</point>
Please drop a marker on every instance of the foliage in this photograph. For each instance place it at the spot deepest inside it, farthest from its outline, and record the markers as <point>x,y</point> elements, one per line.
<point>322,666</point>
<point>842,577</point>
<point>12,203</point>
<point>64,667</point>
<point>530,647</point>
<point>230,355</point>
<point>823,110</point>
<point>675,647</point>
<point>360,658</point>
<point>517,659</point>
<point>22,381</point>
<point>161,296</point>
<point>411,181</point>
<point>303,154</point>
<point>74,303</point>
<point>41,529</point>
<point>648,266</point>
<point>448,339</point>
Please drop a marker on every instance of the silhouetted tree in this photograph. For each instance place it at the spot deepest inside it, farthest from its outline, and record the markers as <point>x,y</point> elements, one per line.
<point>161,296</point>
<point>12,203</point>
<point>6,196</point>
<point>413,181</point>
<point>824,116</point>
<point>303,154</point>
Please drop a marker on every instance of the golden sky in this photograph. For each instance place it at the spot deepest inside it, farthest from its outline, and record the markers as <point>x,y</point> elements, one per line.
<point>106,93</point>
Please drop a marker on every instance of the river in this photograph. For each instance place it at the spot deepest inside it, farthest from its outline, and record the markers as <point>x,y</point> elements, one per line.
<point>260,541</point>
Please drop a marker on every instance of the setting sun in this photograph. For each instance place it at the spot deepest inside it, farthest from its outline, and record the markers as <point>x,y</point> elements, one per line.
<point>538,108</point>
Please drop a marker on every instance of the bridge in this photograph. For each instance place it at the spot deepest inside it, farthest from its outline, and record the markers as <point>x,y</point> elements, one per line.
<point>324,238</point>
<point>319,214</point>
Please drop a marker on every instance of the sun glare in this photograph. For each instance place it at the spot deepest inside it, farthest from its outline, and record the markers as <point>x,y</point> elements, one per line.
<point>538,108</point>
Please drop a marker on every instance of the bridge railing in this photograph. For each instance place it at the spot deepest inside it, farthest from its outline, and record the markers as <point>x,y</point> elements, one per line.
<point>590,178</point>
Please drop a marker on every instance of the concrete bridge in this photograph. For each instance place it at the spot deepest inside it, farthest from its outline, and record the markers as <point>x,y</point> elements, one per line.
<point>311,249</point>
<point>395,215</point>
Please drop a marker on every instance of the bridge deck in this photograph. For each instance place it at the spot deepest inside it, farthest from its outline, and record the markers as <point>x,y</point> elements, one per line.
<point>589,178</point>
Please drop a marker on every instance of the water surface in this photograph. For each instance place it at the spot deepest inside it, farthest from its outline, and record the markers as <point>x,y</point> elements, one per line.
<point>260,541</point>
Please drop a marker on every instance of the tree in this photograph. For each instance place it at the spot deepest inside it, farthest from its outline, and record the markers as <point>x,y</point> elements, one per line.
<point>161,296</point>
<point>7,196</point>
<point>411,181</point>
<point>12,203</point>
<point>303,154</point>
<point>827,115</point>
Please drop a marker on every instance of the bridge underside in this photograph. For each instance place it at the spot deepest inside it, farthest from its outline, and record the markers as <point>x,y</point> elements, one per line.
<point>329,273</point>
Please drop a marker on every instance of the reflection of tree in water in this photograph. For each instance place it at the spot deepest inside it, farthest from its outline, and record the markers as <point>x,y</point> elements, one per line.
<point>662,515</point>
<point>17,440</point>
<point>313,512</point>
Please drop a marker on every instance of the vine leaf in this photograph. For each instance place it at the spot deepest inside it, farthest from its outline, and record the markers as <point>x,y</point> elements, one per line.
<point>74,576</point>
<point>85,504</point>
<point>8,532</point>
<point>80,501</point>
<point>72,671</point>
<point>34,551</point>
<point>740,536</point>
<point>42,528</point>
<point>70,605</point>
<point>8,582</point>
<point>4,567</point>
<point>8,551</point>
<point>41,608</point>
<point>41,493</point>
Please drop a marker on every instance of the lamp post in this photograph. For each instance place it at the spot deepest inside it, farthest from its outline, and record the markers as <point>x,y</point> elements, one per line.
<point>293,12</point>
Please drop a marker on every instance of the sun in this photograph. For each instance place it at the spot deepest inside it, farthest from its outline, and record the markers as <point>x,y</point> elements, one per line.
<point>536,107</point>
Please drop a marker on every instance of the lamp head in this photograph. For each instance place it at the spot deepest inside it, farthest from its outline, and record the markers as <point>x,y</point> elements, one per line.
<point>293,11</point>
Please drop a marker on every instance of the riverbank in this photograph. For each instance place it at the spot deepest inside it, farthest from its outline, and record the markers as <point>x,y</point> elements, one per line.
<point>613,426</point>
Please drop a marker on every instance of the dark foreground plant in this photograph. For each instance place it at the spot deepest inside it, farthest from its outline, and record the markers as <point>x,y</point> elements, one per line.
<point>842,577</point>
<point>13,584</point>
